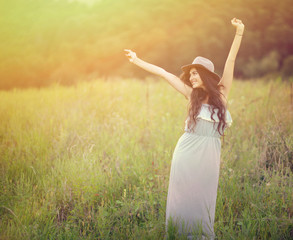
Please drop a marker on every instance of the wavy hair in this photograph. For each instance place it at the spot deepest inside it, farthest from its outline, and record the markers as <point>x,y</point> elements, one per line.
<point>198,95</point>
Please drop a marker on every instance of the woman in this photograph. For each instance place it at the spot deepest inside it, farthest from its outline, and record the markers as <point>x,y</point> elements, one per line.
<point>195,164</point>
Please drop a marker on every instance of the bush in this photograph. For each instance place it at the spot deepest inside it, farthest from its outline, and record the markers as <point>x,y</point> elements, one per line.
<point>257,68</point>
<point>287,68</point>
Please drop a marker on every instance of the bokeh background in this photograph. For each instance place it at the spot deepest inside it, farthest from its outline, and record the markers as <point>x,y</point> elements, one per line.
<point>86,138</point>
<point>43,42</point>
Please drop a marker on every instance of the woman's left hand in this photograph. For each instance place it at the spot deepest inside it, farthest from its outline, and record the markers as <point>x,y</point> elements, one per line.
<point>238,24</point>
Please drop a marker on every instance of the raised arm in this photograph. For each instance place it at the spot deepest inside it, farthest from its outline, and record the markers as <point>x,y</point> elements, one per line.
<point>173,80</point>
<point>227,77</point>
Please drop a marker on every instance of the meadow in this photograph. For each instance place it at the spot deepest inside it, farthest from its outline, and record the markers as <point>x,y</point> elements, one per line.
<point>92,161</point>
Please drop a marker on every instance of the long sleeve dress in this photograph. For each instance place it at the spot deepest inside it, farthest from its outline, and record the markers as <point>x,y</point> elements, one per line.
<point>194,176</point>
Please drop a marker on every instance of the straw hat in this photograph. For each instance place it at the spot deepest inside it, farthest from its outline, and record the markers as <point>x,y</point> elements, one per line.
<point>204,63</point>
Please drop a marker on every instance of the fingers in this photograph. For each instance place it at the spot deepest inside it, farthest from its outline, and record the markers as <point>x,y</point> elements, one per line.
<point>128,50</point>
<point>235,20</point>
<point>128,54</point>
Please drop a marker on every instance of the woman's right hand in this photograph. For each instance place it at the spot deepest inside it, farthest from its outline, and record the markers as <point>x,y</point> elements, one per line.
<point>237,23</point>
<point>130,54</point>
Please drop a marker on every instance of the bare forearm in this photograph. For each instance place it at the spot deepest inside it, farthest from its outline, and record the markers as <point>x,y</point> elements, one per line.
<point>235,46</point>
<point>149,67</point>
<point>230,62</point>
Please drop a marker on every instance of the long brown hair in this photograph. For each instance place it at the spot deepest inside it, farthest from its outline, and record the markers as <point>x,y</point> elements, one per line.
<point>198,95</point>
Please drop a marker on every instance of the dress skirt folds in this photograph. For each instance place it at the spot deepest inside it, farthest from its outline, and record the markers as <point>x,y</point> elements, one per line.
<point>194,176</point>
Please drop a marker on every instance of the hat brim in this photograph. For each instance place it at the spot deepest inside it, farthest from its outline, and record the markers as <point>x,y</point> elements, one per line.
<point>186,69</point>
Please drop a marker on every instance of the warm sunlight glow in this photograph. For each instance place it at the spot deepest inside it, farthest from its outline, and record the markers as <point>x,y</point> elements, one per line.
<point>44,42</point>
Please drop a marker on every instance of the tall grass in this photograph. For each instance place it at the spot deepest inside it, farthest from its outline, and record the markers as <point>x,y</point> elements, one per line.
<point>92,161</point>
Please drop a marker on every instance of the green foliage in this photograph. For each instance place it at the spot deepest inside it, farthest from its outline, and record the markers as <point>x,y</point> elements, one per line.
<point>287,68</point>
<point>257,68</point>
<point>47,41</point>
<point>92,161</point>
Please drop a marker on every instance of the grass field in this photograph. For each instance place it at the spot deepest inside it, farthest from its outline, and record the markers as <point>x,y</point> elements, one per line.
<point>92,161</point>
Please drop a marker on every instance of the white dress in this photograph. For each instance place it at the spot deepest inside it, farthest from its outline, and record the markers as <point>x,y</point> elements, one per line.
<point>194,176</point>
